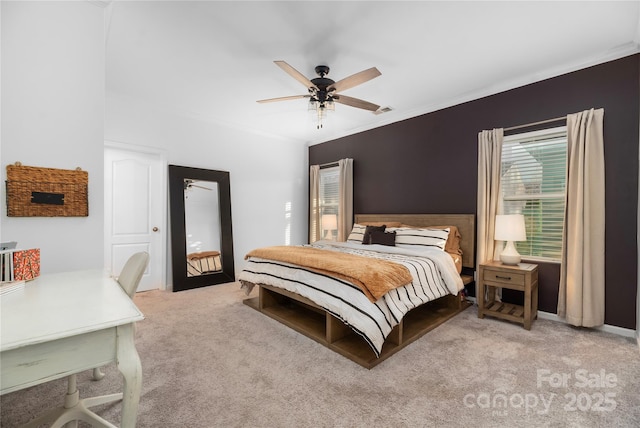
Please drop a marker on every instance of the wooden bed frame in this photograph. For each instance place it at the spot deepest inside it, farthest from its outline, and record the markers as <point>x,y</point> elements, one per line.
<point>304,316</point>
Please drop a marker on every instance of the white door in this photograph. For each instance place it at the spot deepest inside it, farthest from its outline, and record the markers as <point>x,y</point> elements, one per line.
<point>135,209</point>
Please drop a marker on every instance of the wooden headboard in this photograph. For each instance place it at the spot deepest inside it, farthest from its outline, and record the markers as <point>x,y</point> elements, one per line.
<point>466,224</point>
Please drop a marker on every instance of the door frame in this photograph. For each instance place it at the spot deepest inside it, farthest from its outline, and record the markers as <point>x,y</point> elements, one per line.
<point>164,222</point>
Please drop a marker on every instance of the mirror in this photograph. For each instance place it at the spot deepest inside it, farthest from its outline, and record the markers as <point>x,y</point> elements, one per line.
<point>201,233</point>
<point>202,227</point>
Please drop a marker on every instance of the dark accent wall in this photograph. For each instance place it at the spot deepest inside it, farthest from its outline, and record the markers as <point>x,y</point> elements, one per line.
<point>428,164</point>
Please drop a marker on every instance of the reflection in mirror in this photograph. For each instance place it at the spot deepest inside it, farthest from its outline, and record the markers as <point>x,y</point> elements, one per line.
<point>201,237</point>
<point>202,226</point>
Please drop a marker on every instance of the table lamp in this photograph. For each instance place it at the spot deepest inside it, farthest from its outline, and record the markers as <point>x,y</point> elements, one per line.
<point>329,222</point>
<point>510,228</point>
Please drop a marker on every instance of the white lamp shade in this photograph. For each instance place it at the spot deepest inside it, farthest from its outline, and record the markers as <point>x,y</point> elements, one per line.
<point>510,228</point>
<point>329,222</point>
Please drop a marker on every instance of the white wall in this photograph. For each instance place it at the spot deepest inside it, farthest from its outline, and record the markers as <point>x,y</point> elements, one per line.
<point>52,95</point>
<point>53,115</point>
<point>269,177</point>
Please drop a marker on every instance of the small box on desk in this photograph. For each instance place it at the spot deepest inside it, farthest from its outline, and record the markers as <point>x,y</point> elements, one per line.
<point>26,264</point>
<point>19,265</point>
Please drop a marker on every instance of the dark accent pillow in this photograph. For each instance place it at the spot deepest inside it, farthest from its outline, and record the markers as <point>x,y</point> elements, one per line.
<point>367,232</point>
<point>383,238</point>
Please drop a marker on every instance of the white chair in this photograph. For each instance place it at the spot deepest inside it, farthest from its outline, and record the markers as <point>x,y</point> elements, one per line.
<point>129,280</point>
<point>74,409</point>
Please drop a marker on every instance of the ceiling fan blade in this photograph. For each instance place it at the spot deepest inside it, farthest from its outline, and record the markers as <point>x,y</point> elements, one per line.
<point>296,74</point>
<point>355,102</point>
<point>291,97</point>
<point>355,79</point>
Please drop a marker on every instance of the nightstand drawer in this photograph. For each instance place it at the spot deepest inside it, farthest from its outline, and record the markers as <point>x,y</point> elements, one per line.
<point>503,277</point>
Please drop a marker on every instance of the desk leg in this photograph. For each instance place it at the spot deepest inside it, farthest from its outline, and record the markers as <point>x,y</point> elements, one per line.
<point>131,368</point>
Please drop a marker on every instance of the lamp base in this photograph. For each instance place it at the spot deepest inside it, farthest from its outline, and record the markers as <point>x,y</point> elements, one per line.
<point>510,255</point>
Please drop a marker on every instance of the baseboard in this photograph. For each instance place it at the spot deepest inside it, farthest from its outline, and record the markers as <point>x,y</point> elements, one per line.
<point>620,331</point>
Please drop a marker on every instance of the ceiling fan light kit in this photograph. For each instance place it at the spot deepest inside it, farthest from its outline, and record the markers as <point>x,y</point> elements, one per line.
<point>323,92</point>
<point>320,110</point>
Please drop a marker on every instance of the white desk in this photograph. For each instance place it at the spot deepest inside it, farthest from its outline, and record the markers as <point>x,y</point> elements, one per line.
<point>61,324</point>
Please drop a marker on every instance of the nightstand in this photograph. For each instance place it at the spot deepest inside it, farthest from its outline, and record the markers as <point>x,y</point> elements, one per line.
<point>522,277</point>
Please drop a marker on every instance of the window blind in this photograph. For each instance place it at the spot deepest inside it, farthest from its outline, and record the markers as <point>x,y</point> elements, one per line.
<point>534,170</point>
<point>329,198</point>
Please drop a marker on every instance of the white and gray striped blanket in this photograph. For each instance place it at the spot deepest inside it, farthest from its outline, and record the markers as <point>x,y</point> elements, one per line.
<point>433,271</point>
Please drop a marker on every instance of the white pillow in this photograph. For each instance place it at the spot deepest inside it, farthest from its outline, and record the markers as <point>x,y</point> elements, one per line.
<point>421,238</point>
<point>357,233</point>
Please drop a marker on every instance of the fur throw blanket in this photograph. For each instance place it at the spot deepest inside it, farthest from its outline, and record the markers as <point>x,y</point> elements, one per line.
<point>375,277</point>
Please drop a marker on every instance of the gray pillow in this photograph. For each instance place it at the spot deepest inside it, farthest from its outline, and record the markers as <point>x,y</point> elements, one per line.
<point>367,233</point>
<point>383,238</point>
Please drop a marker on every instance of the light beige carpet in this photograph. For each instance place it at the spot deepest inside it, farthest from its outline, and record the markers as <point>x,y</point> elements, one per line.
<point>210,361</point>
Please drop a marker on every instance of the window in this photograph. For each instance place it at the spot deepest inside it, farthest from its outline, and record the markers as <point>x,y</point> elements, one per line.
<point>534,170</point>
<point>331,200</point>
<point>329,195</point>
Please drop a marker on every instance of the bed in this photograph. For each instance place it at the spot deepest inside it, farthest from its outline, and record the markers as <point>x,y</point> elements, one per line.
<point>203,262</point>
<point>386,296</point>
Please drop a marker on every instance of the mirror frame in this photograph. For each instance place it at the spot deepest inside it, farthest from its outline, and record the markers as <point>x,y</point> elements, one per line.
<point>177,175</point>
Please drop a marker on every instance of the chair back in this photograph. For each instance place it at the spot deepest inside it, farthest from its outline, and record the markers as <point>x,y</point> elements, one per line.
<point>132,272</point>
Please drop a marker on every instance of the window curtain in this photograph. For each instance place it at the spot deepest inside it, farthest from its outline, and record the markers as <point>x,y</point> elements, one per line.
<point>314,203</point>
<point>489,193</point>
<point>345,208</point>
<point>581,292</point>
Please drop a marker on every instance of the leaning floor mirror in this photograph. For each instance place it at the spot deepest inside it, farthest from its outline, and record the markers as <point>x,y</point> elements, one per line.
<point>201,232</point>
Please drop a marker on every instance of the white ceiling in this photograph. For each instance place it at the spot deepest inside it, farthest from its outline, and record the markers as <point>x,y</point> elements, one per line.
<point>212,60</point>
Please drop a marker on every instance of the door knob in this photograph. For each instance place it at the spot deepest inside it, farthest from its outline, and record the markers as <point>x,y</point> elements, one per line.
<point>155,229</point>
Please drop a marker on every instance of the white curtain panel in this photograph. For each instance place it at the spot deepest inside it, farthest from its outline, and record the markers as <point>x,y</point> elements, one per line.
<point>489,194</point>
<point>345,210</point>
<point>581,292</point>
<point>314,208</point>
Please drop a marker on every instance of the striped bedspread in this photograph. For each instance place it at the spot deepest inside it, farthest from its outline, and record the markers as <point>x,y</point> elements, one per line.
<point>433,272</point>
<point>375,277</point>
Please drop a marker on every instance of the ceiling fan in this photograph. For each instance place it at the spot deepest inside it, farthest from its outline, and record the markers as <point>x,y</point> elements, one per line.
<point>323,92</point>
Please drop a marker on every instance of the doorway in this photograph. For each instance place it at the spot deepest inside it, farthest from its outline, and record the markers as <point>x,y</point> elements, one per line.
<point>135,210</point>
